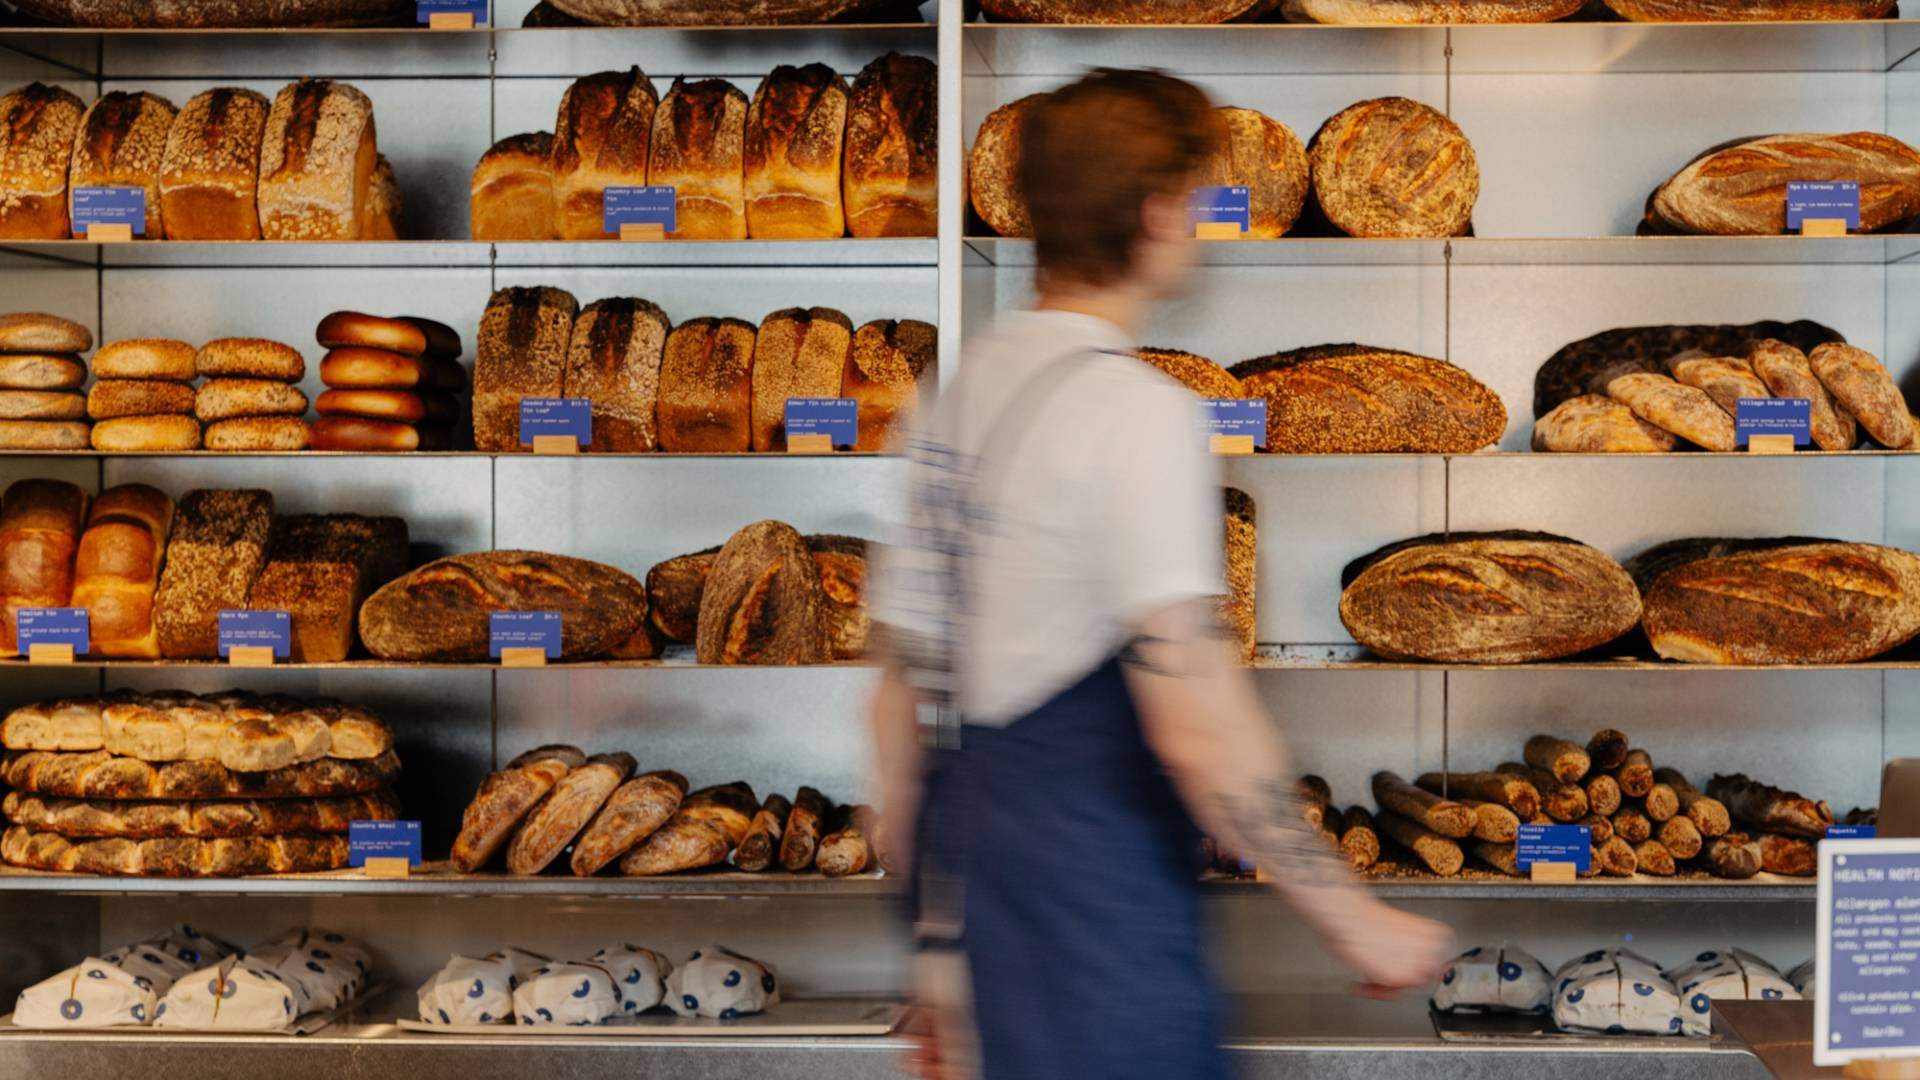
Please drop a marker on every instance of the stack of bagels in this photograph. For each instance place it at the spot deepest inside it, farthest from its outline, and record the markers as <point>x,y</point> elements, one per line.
<point>391,383</point>
<point>41,407</point>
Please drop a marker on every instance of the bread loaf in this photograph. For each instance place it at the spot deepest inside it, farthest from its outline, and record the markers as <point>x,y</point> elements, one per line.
<point>439,612</point>
<point>848,846</point>
<point>1734,855</point>
<point>1788,855</point>
<point>40,524</point>
<point>225,399</point>
<point>42,405</point>
<point>101,775</point>
<point>1682,410</point>
<point>512,194</point>
<point>842,561</point>
<point>1709,815</point>
<point>886,365</point>
<point>1439,854</point>
<point>316,162</point>
<point>320,569</point>
<point>199,15</point>
<point>993,170</point>
<point>1725,379</point>
<point>796,129</point>
<point>380,218</point>
<point>1740,188</point>
<point>505,798</point>
<point>699,139</point>
<point>1197,373</point>
<point>1356,399</point>
<point>889,175</point>
<point>525,336</point>
<point>38,332</point>
<point>709,12</point>
<point>1571,370</point>
<point>1122,12</point>
<point>121,141</point>
<point>762,843</point>
<point>614,359</point>
<point>706,396</point>
<point>634,811</point>
<point>1788,373</point>
<point>602,136</point>
<point>710,823</point>
<point>575,800</point>
<point>146,434</point>
<point>174,858</point>
<point>1777,601</point>
<point>218,546</point>
<point>210,172</point>
<point>145,358</point>
<point>806,824</point>
<point>1486,598</point>
<point>1444,817</point>
<point>798,353</point>
<point>1862,386</point>
<point>117,569</point>
<point>1744,10</point>
<point>1267,158</point>
<point>1393,167</point>
<point>210,819</point>
<point>673,594</point>
<point>41,371</point>
<point>1404,12</point>
<point>1242,548</point>
<point>38,126</point>
<point>1597,424</point>
<point>763,602</point>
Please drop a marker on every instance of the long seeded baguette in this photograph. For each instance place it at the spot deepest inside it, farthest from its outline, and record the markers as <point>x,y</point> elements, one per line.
<point>1439,854</point>
<point>1359,838</point>
<point>632,813</point>
<point>1709,815</point>
<point>1442,816</point>
<point>1766,808</point>
<point>1509,791</point>
<point>1502,857</point>
<point>1558,800</point>
<point>180,857</point>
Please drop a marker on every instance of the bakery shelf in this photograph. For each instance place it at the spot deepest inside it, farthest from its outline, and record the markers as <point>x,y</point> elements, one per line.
<point>1875,250</point>
<point>1351,657</point>
<point>437,879</point>
<point>203,455</point>
<point>672,663</point>
<point>1475,884</point>
<point>475,255</point>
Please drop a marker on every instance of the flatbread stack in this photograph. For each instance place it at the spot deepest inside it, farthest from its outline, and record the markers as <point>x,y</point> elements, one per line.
<point>172,784</point>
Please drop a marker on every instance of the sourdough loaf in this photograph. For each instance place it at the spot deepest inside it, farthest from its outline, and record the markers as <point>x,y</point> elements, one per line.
<point>117,569</point>
<point>796,130</point>
<point>842,561</point>
<point>100,775</point>
<point>1267,158</point>
<point>210,172</point>
<point>602,136</point>
<point>886,367</point>
<point>889,175</point>
<point>710,12</point>
<point>512,196</point>
<point>706,828</point>
<point>122,138</point>
<point>1242,550</point>
<point>1486,598</point>
<point>1863,386</point>
<point>1682,410</point>
<point>320,569</point>
<point>209,819</point>
<point>1777,601</point>
<point>1740,188</point>
<point>1123,12</point>
<point>218,545</point>
<point>614,359</point>
<point>1356,399</point>
<point>634,811</point>
<point>439,612</point>
<point>38,124</point>
<point>798,353</point>
<point>1749,10</point>
<point>763,602</point>
<point>993,170</point>
<point>575,801</point>
<point>1788,373</point>
<point>316,162</point>
<point>1725,379</point>
<point>699,142</point>
<point>1597,424</point>
<point>1570,371</point>
<point>673,594</point>
<point>1196,373</point>
<point>1393,167</point>
<point>175,858</point>
<point>40,526</point>
<point>201,15</point>
<point>706,395</point>
<point>525,335</point>
<point>1392,12</point>
<point>505,799</point>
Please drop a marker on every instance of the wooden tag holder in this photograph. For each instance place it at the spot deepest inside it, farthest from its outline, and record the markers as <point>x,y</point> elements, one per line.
<point>555,444</point>
<point>809,444</point>
<point>101,232</point>
<point>1769,444</point>
<point>1823,227</point>
<point>523,656</point>
<point>1883,1069</point>
<point>47,652</point>
<point>387,867</point>
<point>1217,230</point>
<point>642,230</point>
<point>450,20</point>
<point>250,656</point>
<point>1553,873</point>
<point>1230,445</point>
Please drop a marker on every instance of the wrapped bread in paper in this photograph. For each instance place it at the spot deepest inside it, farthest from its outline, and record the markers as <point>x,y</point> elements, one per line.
<point>92,994</point>
<point>145,961</point>
<point>1805,979</point>
<point>720,984</point>
<point>567,994</point>
<point>1616,992</point>
<point>320,977</point>
<point>639,973</point>
<point>197,949</point>
<point>1492,978</point>
<point>235,995</point>
<point>470,991</point>
<point>1725,975</point>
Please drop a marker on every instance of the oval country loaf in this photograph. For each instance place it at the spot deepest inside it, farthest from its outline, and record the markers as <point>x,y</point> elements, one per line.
<point>505,799</point>
<point>207,819</point>
<point>574,802</point>
<point>100,775</point>
<point>1683,410</point>
<point>889,179</point>
<point>1725,379</point>
<point>634,811</point>
<point>993,170</point>
<point>219,14</point>
<point>38,124</point>
<point>1788,373</point>
<point>1267,158</point>
<point>763,602</point>
<point>1487,598</point>
<point>1123,12</point>
<point>1740,188</point>
<point>1750,10</point>
<point>1862,385</point>
<point>710,12</point>
<point>1357,399</point>
<point>439,612</point>
<point>1393,167</point>
<point>1398,12</point>
<point>842,561</point>
<point>1571,370</point>
<point>1789,600</point>
<point>673,594</point>
<point>705,829</point>
<point>1597,424</point>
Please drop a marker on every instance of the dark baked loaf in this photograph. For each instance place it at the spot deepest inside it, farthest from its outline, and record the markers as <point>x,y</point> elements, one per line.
<point>798,353</point>
<point>1123,12</point>
<point>796,130</point>
<point>1486,598</point>
<point>763,602</point>
<point>202,15</point>
<point>1356,399</point>
<point>100,775</point>
<point>1195,372</point>
<point>1739,188</point>
<point>218,548</point>
<point>710,12</point>
<point>1393,167</point>
<point>122,140</point>
<point>37,128</point>
<point>993,170</point>
<point>524,340</point>
<point>1570,371</point>
<point>1750,10</point>
<point>602,135</point>
<point>842,561</point>
<point>1266,157</point>
<point>1788,600</point>
<point>1765,808</point>
<point>673,594</point>
<point>706,389</point>
<point>889,361</point>
<point>889,178</point>
<point>439,612</point>
<point>1352,12</point>
<point>614,360</point>
<point>1242,539</point>
<point>295,853</point>
<point>699,146</point>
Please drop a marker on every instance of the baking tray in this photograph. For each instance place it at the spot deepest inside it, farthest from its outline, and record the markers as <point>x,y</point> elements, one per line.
<point>304,1024</point>
<point>1486,1028</point>
<point>807,1016</point>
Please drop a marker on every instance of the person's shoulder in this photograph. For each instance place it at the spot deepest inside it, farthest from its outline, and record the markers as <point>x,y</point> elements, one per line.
<point>1127,381</point>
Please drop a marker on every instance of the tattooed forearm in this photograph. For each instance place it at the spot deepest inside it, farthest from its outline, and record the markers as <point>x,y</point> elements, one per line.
<point>1272,823</point>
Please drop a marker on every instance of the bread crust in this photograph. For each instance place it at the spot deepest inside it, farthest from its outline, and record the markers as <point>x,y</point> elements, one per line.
<point>1725,379</point>
<point>993,170</point>
<point>41,371</point>
<point>42,405</point>
<point>704,831</point>
<point>258,433</point>
<point>1394,167</point>
<point>1350,399</point>
<point>1739,188</point>
<point>603,135</point>
<point>674,588</point>
<point>210,169</point>
<point>575,801</point>
<point>1682,410</point>
<point>699,147</point>
<point>886,366</point>
<point>116,570</point>
<point>634,811</point>
<point>145,358</point>
<point>251,358</point>
<point>1750,10</point>
<point>202,15</point>
<point>316,162</point>
<point>512,196</point>
<point>706,391</point>
<point>439,612</point>
<point>761,845</point>
<point>228,399</point>
<point>347,433</point>
<point>1863,386</point>
<point>708,12</point>
<point>121,141</point>
<point>1571,370</point>
<point>381,221</point>
<point>889,176</point>
<point>1402,12</point>
<point>1788,373</point>
<point>798,353</point>
<point>175,857</point>
<point>525,335</point>
<point>110,398</point>
<point>149,434</point>
<point>1597,424</point>
<point>1123,12</point>
<point>100,775</point>
<point>207,819</point>
<point>763,602</point>
<point>613,358</point>
<point>218,546</point>
<point>43,435</point>
<point>795,132</point>
<point>505,799</point>
<point>1268,158</point>
<point>38,126</point>
<point>39,332</point>
<point>40,524</point>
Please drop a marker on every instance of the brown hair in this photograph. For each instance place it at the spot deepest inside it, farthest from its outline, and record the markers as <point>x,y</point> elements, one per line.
<point>1092,152</point>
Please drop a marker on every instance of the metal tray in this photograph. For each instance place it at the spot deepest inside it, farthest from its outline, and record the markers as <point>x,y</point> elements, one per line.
<point>807,1016</point>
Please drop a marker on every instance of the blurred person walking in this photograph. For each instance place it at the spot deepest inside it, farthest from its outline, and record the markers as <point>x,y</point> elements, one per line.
<point>1060,705</point>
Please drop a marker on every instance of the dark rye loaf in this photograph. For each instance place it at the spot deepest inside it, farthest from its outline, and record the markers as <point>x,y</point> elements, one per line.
<point>675,588</point>
<point>1739,188</point>
<point>1486,598</point>
<point>763,602</point>
<point>439,612</point>
<point>1357,399</point>
<point>1570,371</point>
<point>1784,600</point>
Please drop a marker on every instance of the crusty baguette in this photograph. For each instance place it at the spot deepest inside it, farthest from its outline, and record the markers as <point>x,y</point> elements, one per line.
<point>762,844</point>
<point>710,823</point>
<point>1607,749</point>
<point>1567,761</point>
<point>1493,823</point>
<point>1429,810</point>
<point>1603,794</point>
<point>575,801</point>
<point>1438,853</point>
<point>505,799</point>
<point>204,819</point>
<point>1709,815</point>
<point>1679,836</point>
<point>632,813</point>
<point>1734,855</point>
<point>1654,858</point>
<point>1765,808</point>
<point>100,775</point>
<point>1358,837</point>
<point>1631,825</point>
<point>1509,791</point>
<point>1635,774</point>
<point>1661,803</point>
<point>800,840</point>
<point>1316,800</point>
<point>1558,800</point>
<point>1502,857</point>
<point>848,847</point>
<point>175,857</point>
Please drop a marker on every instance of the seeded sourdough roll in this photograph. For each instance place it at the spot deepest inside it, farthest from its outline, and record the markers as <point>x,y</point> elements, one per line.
<point>122,139</point>
<point>993,170</point>
<point>250,358</point>
<point>1572,369</point>
<point>763,602</point>
<point>210,170</point>
<point>706,392</point>
<point>218,546</point>
<point>886,366</point>
<point>41,371</point>
<point>614,360</point>
<point>512,192</point>
<point>796,130</point>
<point>111,398</point>
<point>1410,12</point>
<point>1356,399</point>
<point>1197,373</point>
<point>1486,598</point>
<point>602,136</point>
<point>38,124</point>
<point>440,611</point>
<point>1750,10</point>
<point>524,339</point>
<point>38,332</point>
<point>799,353</point>
<point>1393,167</point>
<point>699,143</point>
<point>199,15</point>
<point>146,358</point>
<point>1789,600</point>
<point>889,178</point>
<point>1123,12</point>
<point>316,162</point>
<point>1739,188</point>
<point>152,434</point>
<point>1266,157</point>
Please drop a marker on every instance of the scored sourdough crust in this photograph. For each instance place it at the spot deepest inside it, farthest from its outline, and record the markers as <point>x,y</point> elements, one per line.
<point>1597,424</point>
<point>1486,598</point>
<point>1739,188</point>
<point>1396,12</point>
<point>843,582</point>
<point>1354,399</point>
<point>134,434</point>
<point>798,353</point>
<point>1393,167</point>
<point>1748,10</point>
<point>1683,410</point>
<point>251,358</point>
<point>763,602</point>
<point>1268,158</point>
<point>1862,385</point>
<point>890,176</point>
<point>634,811</point>
<point>175,857</point>
<point>1788,373</point>
<point>38,124</point>
<point>100,775</point>
<point>505,798</point>
<point>706,828</point>
<point>574,802</point>
<point>110,398</point>
<point>1570,371</point>
<point>206,819</point>
<point>993,170</point>
<point>440,611</point>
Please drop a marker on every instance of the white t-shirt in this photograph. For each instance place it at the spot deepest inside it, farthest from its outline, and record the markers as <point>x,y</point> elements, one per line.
<point>1103,507</point>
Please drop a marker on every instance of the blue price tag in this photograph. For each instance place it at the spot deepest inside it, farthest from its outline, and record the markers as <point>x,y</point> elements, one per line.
<point>653,205</point>
<point>273,629</point>
<point>1823,202</point>
<point>1235,416</point>
<point>110,206</point>
<point>425,10</point>
<point>1868,912</point>
<point>835,417</point>
<point>383,840</point>
<point>1852,832</point>
<point>1555,844</point>
<point>1774,416</point>
<point>1221,204</point>
<point>52,626</point>
<point>523,630</point>
<point>570,417</point>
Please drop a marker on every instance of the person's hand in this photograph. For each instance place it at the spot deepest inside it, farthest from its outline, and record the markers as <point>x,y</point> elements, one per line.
<point>921,1027</point>
<point>1391,950</point>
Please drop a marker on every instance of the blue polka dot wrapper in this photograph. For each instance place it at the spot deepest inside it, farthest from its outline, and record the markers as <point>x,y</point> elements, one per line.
<point>639,973</point>
<point>572,994</point>
<point>469,991</point>
<point>1494,979</point>
<point>1615,992</point>
<point>1725,975</point>
<point>721,985</point>
<point>234,995</point>
<point>92,994</point>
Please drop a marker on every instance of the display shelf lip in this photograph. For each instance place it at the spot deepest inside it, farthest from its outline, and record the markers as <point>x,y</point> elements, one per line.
<point>483,455</point>
<point>1764,887</point>
<point>1349,657</point>
<point>983,23</point>
<point>436,880</point>
<point>1853,249</point>
<point>7,29</point>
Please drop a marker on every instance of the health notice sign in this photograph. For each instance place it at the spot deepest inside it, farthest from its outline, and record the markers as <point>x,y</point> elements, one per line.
<point>1869,951</point>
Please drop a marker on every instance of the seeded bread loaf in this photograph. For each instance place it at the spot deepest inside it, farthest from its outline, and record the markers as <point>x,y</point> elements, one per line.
<point>1393,167</point>
<point>763,602</point>
<point>706,392</point>
<point>993,170</point>
<point>117,568</point>
<point>209,819</point>
<point>210,172</point>
<point>1197,373</point>
<point>1740,188</point>
<point>796,130</point>
<point>320,569</point>
<point>1597,424</point>
<point>174,858</point>
<point>110,398</point>
<point>439,612</point>
<point>122,139</point>
<point>218,546</point>
<point>798,353</point>
<point>316,162</point>
<point>889,362</point>
<point>38,126</point>
<point>1354,399</point>
<point>889,175</point>
<point>100,775</point>
<point>603,135</point>
<point>614,359</point>
<point>40,527</point>
<point>1267,158</point>
<point>699,143</point>
<point>1242,549</point>
<point>512,195</point>
<point>525,336</point>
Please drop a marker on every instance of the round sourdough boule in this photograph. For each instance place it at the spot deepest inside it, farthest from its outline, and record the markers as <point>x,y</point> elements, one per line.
<point>42,405</point>
<point>1269,159</point>
<point>1393,167</point>
<point>228,399</point>
<point>360,433</point>
<point>145,358</point>
<point>993,170</point>
<point>38,332</point>
<point>259,433</point>
<point>128,434</point>
<point>252,358</point>
<point>42,435</point>
<point>42,371</point>
<point>443,341</point>
<point>1410,12</point>
<point>353,367</point>
<point>352,328</point>
<point>111,398</point>
<point>400,406</point>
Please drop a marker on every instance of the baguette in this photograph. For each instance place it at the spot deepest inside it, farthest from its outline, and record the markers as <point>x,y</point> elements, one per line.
<point>1790,855</point>
<point>1709,815</point>
<point>705,830</point>
<point>1616,858</point>
<point>1560,801</point>
<point>1635,774</point>
<point>1511,792</point>
<point>800,840</point>
<point>634,811</point>
<point>505,799</point>
<point>1631,825</point>
<point>1765,808</point>
<point>1603,794</point>
<point>1567,761</point>
<point>575,801</point>
<point>1358,837</point>
<point>1606,750</point>
<point>848,848</point>
<point>1502,857</point>
<point>1733,855</point>
<point>1679,836</point>
<point>762,844</point>
<point>1316,801</point>
<point>1438,853</point>
<point>1494,823</point>
<point>1430,811</point>
<point>1653,858</point>
<point>1661,803</point>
